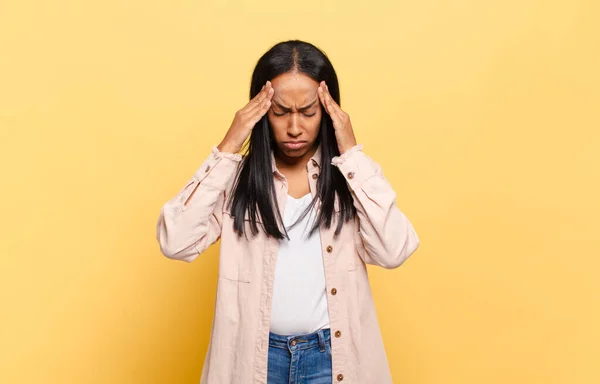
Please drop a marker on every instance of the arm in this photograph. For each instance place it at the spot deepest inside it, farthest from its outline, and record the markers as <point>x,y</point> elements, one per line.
<point>388,236</point>
<point>191,221</point>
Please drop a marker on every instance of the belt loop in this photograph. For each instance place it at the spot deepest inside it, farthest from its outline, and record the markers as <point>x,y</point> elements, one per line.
<point>321,340</point>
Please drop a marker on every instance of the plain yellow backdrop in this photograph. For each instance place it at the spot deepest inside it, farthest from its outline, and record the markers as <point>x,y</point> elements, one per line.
<point>483,114</point>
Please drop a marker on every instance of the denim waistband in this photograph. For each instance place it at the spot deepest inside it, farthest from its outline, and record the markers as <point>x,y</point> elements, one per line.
<point>311,340</point>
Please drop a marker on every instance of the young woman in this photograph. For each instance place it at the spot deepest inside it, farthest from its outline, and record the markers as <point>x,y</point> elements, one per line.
<point>299,217</point>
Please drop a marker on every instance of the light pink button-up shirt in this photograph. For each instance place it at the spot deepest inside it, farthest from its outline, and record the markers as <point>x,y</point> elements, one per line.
<point>380,235</point>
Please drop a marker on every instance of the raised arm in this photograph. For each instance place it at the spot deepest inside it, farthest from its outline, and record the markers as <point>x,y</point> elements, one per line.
<point>387,235</point>
<point>191,221</point>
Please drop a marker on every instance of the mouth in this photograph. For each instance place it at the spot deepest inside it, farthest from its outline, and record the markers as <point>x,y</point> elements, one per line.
<point>294,144</point>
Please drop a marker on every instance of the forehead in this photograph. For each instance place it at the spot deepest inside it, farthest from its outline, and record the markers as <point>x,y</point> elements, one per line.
<point>294,88</point>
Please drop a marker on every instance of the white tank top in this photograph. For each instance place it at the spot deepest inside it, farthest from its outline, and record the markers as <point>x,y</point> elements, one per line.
<point>299,295</point>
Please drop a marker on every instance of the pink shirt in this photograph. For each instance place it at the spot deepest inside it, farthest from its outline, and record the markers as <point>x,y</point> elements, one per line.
<point>380,235</point>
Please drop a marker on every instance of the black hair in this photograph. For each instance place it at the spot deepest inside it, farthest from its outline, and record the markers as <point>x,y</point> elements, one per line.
<point>254,190</point>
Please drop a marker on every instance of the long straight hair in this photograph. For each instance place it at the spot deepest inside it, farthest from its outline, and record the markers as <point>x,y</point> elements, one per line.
<point>254,192</point>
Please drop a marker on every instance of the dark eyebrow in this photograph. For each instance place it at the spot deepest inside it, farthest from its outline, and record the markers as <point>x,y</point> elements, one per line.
<point>299,109</point>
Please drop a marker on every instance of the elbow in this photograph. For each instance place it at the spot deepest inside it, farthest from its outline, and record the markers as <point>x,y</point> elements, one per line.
<point>172,249</point>
<point>170,252</point>
<point>394,259</point>
<point>167,250</point>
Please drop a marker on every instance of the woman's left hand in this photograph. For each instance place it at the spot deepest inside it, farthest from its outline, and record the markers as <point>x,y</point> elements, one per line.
<point>341,121</point>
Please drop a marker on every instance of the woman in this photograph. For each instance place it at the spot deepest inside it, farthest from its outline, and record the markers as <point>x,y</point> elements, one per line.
<point>299,217</point>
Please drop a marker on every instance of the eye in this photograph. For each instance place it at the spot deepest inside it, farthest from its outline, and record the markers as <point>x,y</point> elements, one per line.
<point>305,114</point>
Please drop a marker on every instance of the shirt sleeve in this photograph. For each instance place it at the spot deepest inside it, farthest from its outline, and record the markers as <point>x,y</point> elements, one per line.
<point>191,221</point>
<point>386,233</point>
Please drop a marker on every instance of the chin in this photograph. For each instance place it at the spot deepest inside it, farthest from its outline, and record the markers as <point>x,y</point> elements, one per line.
<point>293,152</point>
<point>299,152</point>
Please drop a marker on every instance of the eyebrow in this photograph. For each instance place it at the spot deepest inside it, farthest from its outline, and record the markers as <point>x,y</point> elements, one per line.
<point>300,109</point>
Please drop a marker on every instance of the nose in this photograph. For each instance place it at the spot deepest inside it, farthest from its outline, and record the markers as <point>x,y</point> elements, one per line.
<point>294,129</point>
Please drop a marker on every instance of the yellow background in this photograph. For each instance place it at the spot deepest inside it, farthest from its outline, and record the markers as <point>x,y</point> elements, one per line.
<point>483,114</point>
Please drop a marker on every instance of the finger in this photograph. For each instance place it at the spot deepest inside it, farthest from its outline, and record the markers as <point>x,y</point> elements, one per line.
<point>336,111</point>
<point>265,107</point>
<point>261,94</point>
<point>322,99</point>
<point>252,103</point>
<point>329,103</point>
<point>262,108</point>
<point>266,93</point>
<point>335,106</point>
<point>258,113</point>
<point>257,96</point>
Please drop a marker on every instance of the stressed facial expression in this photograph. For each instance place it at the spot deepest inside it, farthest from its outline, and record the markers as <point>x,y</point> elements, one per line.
<point>295,114</point>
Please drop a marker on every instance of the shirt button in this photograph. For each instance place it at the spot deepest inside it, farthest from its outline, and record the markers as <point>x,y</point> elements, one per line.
<point>351,175</point>
<point>314,162</point>
<point>315,176</point>
<point>293,343</point>
<point>333,291</point>
<point>207,168</point>
<point>329,248</point>
<point>340,377</point>
<point>338,334</point>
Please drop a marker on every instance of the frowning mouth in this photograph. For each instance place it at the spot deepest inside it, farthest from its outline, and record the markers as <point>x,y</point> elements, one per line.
<point>294,144</point>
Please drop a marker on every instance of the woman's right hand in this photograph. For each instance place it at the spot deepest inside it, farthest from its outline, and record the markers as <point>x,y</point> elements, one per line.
<point>245,119</point>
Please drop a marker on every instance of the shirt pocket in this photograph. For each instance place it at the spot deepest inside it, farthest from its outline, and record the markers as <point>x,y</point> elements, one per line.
<point>235,265</point>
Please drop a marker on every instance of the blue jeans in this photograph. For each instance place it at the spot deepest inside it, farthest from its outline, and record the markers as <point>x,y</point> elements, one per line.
<point>300,359</point>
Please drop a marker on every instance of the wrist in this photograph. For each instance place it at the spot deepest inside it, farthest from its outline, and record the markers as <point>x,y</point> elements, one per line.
<point>228,148</point>
<point>347,147</point>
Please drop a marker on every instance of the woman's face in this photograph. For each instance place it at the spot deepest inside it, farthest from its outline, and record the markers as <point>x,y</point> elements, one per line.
<point>295,114</point>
